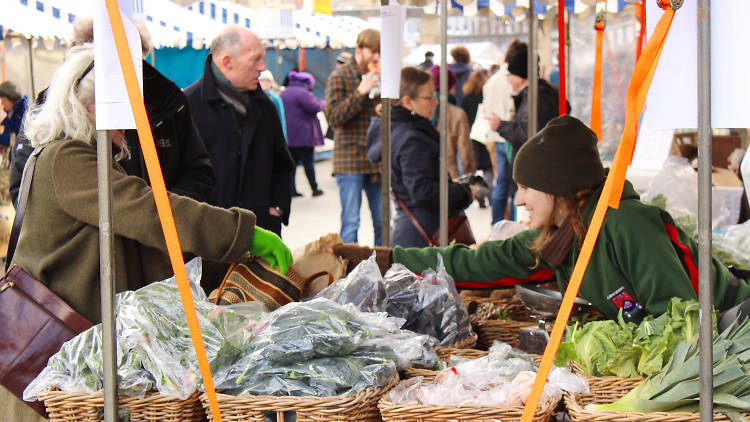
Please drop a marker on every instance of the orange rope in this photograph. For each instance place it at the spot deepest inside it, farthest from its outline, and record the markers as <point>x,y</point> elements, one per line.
<point>596,93</point>
<point>611,194</point>
<point>162,200</point>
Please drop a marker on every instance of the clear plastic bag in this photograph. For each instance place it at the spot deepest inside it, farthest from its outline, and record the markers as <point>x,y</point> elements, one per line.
<point>363,287</point>
<point>430,304</point>
<point>732,245</point>
<point>675,189</point>
<point>503,378</point>
<point>154,347</point>
<point>505,229</point>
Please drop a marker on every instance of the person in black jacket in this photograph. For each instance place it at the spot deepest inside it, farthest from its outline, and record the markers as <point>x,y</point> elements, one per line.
<point>185,163</point>
<point>242,130</point>
<point>516,130</point>
<point>415,162</point>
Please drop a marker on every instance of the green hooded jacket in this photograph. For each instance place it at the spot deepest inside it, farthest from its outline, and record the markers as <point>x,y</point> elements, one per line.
<point>640,261</point>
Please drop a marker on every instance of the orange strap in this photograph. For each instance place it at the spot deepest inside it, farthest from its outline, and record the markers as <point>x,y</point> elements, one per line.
<point>596,93</point>
<point>562,101</point>
<point>162,201</point>
<point>637,90</point>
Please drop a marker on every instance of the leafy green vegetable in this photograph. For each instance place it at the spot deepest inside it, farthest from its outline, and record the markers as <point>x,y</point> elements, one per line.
<point>676,386</point>
<point>626,350</point>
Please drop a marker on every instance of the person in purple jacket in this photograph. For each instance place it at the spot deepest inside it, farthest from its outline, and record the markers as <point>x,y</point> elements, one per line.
<point>303,133</point>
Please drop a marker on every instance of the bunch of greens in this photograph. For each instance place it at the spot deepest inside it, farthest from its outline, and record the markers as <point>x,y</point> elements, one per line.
<point>627,350</point>
<point>154,347</point>
<point>319,348</point>
<point>676,387</point>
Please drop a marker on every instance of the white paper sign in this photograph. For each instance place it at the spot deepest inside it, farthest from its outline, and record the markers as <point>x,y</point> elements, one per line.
<point>112,104</point>
<point>672,100</point>
<point>393,18</point>
<point>652,149</point>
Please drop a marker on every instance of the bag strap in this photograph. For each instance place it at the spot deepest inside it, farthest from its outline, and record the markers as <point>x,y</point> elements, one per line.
<point>23,196</point>
<point>224,282</point>
<point>413,220</point>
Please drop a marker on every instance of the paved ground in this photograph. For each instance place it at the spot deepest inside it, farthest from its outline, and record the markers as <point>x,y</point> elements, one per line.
<point>311,217</point>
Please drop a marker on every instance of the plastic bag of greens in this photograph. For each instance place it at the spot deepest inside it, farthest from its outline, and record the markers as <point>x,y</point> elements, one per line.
<point>77,367</point>
<point>154,348</point>
<point>298,332</point>
<point>411,350</point>
<point>430,304</point>
<point>363,287</point>
<point>321,377</point>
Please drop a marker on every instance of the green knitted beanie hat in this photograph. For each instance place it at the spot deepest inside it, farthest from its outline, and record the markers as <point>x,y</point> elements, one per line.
<point>561,159</point>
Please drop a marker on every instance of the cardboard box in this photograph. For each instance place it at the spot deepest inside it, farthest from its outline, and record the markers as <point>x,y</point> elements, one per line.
<point>726,194</point>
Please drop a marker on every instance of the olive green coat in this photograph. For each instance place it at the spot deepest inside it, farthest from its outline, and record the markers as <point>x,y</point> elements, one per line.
<point>59,241</point>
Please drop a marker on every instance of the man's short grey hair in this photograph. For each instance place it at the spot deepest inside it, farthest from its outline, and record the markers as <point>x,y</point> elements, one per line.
<point>226,42</point>
<point>64,115</point>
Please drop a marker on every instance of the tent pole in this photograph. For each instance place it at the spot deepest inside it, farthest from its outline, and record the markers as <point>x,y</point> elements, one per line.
<point>385,165</point>
<point>443,123</point>
<point>704,210</point>
<point>533,71</point>
<point>29,43</point>
<point>106,272</point>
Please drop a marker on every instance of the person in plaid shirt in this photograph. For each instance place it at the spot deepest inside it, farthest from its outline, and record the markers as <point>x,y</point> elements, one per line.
<point>349,107</point>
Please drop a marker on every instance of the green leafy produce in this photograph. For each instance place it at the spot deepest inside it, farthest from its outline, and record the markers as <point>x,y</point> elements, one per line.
<point>627,350</point>
<point>676,386</point>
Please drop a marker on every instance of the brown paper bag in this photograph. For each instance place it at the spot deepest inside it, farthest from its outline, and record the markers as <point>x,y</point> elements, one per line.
<point>315,257</point>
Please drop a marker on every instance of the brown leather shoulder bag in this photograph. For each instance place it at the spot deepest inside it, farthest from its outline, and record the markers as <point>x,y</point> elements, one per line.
<point>36,322</point>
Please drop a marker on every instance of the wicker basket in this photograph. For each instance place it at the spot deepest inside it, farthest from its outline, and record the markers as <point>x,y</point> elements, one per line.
<point>84,407</point>
<point>429,374</point>
<point>360,407</point>
<point>422,413</point>
<point>609,389</point>
<point>444,352</point>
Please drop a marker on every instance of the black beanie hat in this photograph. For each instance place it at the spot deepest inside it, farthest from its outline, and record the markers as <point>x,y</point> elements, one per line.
<point>561,159</point>
<point>519,64</point>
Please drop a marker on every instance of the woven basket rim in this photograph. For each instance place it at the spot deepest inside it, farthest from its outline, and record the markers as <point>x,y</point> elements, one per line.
<point>545,408</point>
<point>296,402</point>
<point>148,398</point>
<point>578,412</point>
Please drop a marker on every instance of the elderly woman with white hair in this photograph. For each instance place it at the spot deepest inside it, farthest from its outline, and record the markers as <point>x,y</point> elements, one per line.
<point>58,243</point>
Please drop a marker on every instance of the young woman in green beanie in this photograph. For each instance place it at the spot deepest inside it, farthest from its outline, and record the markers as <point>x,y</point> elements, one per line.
<point>641,259</point>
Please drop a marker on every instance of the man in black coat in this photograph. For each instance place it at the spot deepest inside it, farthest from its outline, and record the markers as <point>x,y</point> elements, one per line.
<point>242,131</point>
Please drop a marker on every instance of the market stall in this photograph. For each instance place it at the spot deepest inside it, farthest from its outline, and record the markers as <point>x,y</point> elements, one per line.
<point>338,355</point>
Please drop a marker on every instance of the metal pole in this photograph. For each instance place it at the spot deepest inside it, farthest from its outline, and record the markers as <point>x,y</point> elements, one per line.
<point>31,68</point>
<point>385,170</point>
<point>443,123</point>
<point>704,210</point>
<point>385,164</point>
<point>278,63</point>
<point>106,273</point>
<point>569,58</point>
<point>533,72</point>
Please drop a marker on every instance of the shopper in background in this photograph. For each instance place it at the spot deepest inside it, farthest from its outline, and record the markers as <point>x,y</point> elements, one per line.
<point>427,63</point>
<point>13,106</point>
<point>302,108</point>
<point>349,107</point>
<point>460,159</point>
<point>242,129</point>
<point>461,67</point>
<point>415,162</point>
<point>268,85</point>
<point>473,96</point>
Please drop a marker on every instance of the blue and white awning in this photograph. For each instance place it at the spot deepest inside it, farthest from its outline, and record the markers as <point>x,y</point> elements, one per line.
<point>169,24</point>
<point>518,9</point>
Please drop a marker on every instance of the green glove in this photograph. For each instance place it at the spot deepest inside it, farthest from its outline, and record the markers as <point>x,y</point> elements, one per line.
<point>268,245</point>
